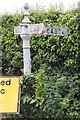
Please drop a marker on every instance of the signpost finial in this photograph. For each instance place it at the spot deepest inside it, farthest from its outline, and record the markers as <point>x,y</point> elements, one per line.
<point>26,6</point>
<point>26,14</point>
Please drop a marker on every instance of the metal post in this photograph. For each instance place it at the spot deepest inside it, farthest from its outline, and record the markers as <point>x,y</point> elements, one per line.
<point>26,41</point>
<point>26,53</point>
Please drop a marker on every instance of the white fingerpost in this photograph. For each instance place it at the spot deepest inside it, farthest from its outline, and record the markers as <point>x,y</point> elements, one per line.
<point>25,30</point>
<point>26,41</point>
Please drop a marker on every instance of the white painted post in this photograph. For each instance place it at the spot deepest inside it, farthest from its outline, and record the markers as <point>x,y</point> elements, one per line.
<point>26,41</point>
<point>26,53</point>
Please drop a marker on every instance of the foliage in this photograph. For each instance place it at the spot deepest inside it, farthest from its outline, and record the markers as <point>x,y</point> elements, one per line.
<point>62,52</point>
<point>55,95</point>
<point>11,45</point>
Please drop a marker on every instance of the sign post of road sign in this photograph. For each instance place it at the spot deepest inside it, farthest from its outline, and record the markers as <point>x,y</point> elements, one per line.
<point>25,30</point>
<point>9,94</point>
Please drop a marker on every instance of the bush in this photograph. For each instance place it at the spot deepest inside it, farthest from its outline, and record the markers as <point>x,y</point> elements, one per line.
<point>55,95</point>
<point>11,46</point>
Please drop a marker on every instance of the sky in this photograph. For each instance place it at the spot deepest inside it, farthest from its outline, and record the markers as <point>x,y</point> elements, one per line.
<point>16,5</point>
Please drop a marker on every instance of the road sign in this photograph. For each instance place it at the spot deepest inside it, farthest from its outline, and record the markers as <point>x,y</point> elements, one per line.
<point>9,94</point>
<point>56,31</point>
<point>40,29</point>
<point>29,29</point>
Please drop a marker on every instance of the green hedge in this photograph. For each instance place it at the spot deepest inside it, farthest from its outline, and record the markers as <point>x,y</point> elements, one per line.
<point>11,45</point>
<point>51,95</point>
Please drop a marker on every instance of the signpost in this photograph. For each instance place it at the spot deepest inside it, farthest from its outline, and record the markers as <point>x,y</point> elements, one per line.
<point>9,94</point>
<point>25,30</point>
<point>9,86</point>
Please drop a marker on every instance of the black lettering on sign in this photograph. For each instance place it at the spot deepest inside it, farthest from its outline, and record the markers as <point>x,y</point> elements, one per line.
<point>59,31</point>
<point>55,31</point>
<point>2,83</point>
<point>63,33</point>
<point>48,31</point>
<point>52,30</point>
<point>2,91</point>
<point>7,82</point>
